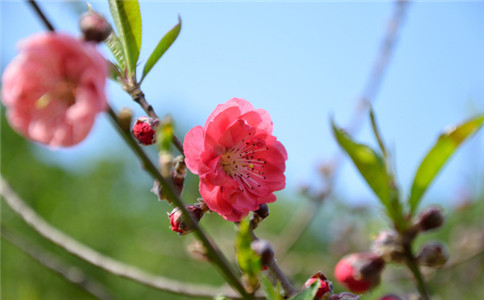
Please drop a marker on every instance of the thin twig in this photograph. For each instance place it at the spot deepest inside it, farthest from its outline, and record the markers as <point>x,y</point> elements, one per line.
<point>213,252</point>
<point>47,259</point>
<point>305,215</point>
<point>104,262</point>
<point>41,15</point>
<point>412,265</point>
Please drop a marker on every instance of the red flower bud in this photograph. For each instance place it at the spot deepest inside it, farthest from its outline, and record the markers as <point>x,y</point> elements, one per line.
<point>433,254</point>
<point>359,272</point>
<point>325,286</point>
<point>144,130</point>
<point>94,27</point>
<point>177,222</point>
<point>430,218</point>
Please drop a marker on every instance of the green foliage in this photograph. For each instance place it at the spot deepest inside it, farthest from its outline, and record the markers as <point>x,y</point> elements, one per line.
<point>443,149</point>
<point>116,48</point>
<point>308,293</point>
<point>373,169</point>
<point>164,135</point>
<point>249,262</point>
<point>127,18</point>
<point>161,48</point>
<point>270,292</point>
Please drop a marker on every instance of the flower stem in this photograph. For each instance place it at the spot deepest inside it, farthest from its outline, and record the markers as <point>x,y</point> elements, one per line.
<point>41,15</point>
<point>213,252</point>
<point>411,263</point>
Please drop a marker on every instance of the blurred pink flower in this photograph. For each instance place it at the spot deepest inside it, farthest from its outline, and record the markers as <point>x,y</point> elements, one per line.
<point>239,162</point>
<point>54,89</point>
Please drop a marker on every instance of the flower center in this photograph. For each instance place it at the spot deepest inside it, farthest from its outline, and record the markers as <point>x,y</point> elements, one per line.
<point>245,162</point>
<point>64,90</point>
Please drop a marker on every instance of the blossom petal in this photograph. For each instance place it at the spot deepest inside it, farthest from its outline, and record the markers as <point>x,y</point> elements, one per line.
<point>193,148</point>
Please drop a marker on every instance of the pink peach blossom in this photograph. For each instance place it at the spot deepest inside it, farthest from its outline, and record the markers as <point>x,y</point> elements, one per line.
<point>54,89</point>
<point>239,162</point>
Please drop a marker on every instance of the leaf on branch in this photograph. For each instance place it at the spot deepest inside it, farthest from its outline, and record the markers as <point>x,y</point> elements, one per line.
<point>270,292</point>
<point>127,18</point>
<point>114,45</point>
<point>372,167</point>
<point>308,293</point>
<point>435,159</point>
<point>160,49</point>
<point>249,262</point>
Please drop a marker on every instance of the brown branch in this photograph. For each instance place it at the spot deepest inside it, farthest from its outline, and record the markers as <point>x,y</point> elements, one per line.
<point>104,262</point>
<point>47,259</point>
<point>305,215</point>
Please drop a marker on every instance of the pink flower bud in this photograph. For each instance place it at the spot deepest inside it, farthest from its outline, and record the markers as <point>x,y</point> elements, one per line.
<point>430,218</point>
<point>177,222</point>
<point>325,286</point>
<point>433,254</point>
<point>94,27</point>
<point>359,272</point>
<point>144,130</point>
<point>388,246</point>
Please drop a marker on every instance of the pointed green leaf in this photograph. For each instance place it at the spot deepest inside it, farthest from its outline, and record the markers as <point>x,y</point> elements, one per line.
<point>308,293</point>
<point>161,48</point>
<point>114,72</point>
<point>270,292</point>
<point>372,167</point>
<point>443,149</point>
<point>127,18</point>
<point>368,162</point>
<point>114,45</point>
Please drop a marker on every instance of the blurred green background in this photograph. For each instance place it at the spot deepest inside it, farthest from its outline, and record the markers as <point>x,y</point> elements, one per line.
<point>108,206</point>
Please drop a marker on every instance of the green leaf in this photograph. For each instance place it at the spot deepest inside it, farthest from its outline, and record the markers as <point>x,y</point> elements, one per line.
<point>127,18</point>
<point>161,48</point>
<point>114,72</point>
<point>114,45</point>
<point>443,149</point>
<point>249,262</point>
<point>308,293</point>
<point>270,292</point>
<point>372,167</point>
<point>368,162</point>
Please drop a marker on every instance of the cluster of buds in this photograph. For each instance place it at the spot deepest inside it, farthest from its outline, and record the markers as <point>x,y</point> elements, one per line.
<point>144,130</point>
<point>179,223</point>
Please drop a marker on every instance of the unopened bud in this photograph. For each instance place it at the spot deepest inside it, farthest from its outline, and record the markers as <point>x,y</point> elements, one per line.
<point>259,215</point>
<point>433,254</point>
<point>144,130</point>
<point>264,250</point>
<point>325,286</point>
<point>178,173</point>
<point>344,296</point>
<point>430,218</point>
<point>125,115</point>
<point>388,246</point>
<point>178,222</point>
<point>198,251</point>
<point>165,160</point>
<point>359,272</point>
<point>94,27</point>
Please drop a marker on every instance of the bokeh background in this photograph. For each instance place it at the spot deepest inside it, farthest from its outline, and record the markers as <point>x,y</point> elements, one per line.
<point>302,62</point>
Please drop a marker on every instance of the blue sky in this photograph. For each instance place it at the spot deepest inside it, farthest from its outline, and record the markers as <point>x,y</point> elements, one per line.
<point>302,62</point>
